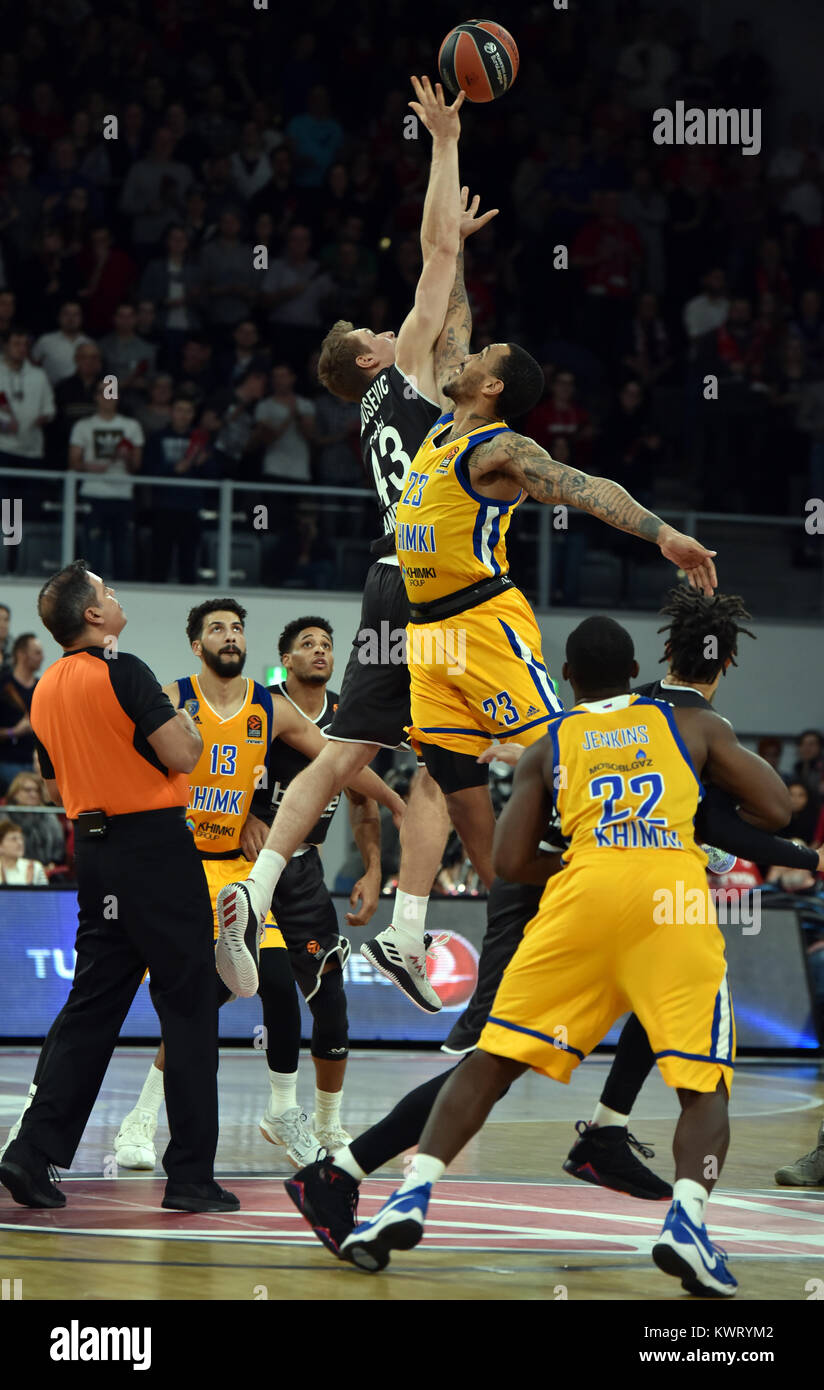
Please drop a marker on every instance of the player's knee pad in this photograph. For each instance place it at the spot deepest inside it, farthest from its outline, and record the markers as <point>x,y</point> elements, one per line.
<point>454,772</point>
<point>330,1026</point>
<point>275,978</point>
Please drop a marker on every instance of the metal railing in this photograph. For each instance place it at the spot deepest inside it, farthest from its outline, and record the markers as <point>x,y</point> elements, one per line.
<point>546,538</point>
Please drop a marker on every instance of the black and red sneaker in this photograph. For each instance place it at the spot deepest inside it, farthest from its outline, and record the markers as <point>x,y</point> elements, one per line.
<point>327,1198</point>
<point>604,1156</point>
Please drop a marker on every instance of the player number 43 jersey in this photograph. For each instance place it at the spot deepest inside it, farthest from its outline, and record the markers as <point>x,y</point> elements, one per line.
<point>623,778</point>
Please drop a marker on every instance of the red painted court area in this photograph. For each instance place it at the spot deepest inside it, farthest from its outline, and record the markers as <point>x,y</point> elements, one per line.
<point>463,1215</point>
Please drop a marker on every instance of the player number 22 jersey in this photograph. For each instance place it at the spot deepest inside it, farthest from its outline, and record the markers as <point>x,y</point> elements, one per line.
<point>623,778</point>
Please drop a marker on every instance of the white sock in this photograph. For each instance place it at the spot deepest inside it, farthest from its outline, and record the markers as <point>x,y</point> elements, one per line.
<point>423,1168</point>
<point>284,1090</point>
<point>603,1117</point>
<point>327,1108</point>
<point>345,1160</point>
<point>409,914</point>
<point>269,866</point>
<point>32,1091</point>
<point>693,1198</point>
<point>151,1097</point>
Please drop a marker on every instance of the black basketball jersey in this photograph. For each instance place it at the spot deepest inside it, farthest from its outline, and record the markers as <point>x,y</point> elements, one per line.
<point>682,696</point>
<point>395,420</point>
<point>285,762</point>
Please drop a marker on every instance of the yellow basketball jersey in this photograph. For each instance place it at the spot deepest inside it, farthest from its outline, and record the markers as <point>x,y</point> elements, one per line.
<point>235,752</point>
<point>623,778</point>
<point>447,535</point>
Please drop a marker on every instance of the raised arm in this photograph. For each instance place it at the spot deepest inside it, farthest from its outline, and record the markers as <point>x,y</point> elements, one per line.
<point>514,456</point>
<point>440,235</point>
<point>761,795</point>
<point>453,344</point>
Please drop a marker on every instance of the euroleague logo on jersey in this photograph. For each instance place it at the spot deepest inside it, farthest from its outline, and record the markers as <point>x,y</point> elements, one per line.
<point>254,729</point>
<point>453,970</point>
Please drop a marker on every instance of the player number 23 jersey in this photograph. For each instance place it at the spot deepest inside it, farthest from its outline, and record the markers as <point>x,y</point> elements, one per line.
<point>235,756</point>
<point>447,535</point>
<point>623,778</point>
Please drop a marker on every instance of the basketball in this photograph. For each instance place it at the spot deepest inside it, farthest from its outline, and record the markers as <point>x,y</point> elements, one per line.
<point>480,58</point>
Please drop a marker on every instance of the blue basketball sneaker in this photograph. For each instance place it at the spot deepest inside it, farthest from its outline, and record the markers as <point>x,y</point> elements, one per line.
<point>397,1226</point>
<point>687,1252</point>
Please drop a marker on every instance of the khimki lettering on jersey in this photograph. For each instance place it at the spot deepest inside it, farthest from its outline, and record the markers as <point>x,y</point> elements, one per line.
<point>420,539</point>
<point>221,800</point>
<point>637,834</point>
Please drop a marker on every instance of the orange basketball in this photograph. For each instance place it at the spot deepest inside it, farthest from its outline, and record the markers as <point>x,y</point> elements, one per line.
<point>479,58</point>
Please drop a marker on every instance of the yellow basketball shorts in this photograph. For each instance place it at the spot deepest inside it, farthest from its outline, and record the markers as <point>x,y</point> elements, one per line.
<point>222,871</point>
<point>480,677</point>
<point>598,947</point>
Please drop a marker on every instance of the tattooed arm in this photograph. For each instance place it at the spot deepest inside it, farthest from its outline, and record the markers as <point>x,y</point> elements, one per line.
<point>453,344</point>
<point>513,456</point>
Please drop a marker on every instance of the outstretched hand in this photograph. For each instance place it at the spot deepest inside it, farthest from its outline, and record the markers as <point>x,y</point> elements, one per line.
<point>440,120</point>
<point>470,221</point>
<point>693,558</point>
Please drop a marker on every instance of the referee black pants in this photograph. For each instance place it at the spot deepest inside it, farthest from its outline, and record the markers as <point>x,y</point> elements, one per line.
<point>143,903</point>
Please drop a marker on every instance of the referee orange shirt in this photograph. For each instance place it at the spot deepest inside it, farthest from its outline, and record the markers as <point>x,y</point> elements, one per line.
<point>92,714</point>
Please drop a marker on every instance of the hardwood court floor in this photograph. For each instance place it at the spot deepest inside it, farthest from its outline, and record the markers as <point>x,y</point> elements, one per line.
<point>508,1223</point>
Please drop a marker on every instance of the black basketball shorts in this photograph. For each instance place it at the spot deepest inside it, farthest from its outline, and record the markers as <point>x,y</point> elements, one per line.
<point>306,915</point>
<point>374,699</point>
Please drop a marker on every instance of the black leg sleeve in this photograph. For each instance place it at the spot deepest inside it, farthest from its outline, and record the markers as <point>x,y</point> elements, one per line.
<point>281,1010</point>
<point>634,1060</point>
<point>401,1128</point>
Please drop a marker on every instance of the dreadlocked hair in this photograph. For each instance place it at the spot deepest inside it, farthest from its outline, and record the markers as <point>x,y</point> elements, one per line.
<point>703,633</point>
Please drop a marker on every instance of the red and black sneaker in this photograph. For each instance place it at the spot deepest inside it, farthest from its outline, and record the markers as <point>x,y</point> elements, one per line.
<point>604,1156</point>
<point>327,1198</point>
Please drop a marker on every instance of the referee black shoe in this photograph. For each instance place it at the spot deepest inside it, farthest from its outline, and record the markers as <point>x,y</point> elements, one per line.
<point>401,958</point>
<point>327,1198</point>
<point>198,1196</point>
<point>240,933</point>
<point>28,1177</point>
<point>604,1156</point>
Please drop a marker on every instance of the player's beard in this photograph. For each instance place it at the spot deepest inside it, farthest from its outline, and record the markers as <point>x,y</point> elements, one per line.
<point>225,664</point>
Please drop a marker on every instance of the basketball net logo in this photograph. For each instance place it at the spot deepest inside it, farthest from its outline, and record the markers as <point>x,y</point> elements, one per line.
<point>453,970</point>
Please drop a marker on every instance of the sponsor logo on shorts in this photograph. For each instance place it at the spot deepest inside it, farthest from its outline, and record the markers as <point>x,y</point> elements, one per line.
<point>254,728</point>
<point>313,947</point>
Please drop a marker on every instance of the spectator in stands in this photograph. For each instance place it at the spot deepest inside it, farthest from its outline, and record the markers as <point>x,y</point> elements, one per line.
<point>740,343</point>
<point>743,75</point>
<point>126,355</point>
<point>15,871</point>
<point>316,138</point>
<point>251,168</point>
<point>106,276</point>
<point>213,125</point>
<point>284,426</point>
<point>74,399</point>
<point>649,354</point>
<point>108,446</point>
<point>178,451</point>
<point>21,206</point>
<point>173,284</point>
<point>337,459</point>
<point>230,282</point>
<point>236,441</point>
<point>8,313</point>
<point>352,287</point>
<point>303,559</point>
<point>155,413</point>
<point>608,252</point>
<point>808,325</point>
<point>560,416</point>
<point>645,208</point>
<point>195,224</point>
<point>16,690</point>
<point>707,311</point>
<point>647,64</point>
<point>219,191</point>
<point>154,193</point>
<point>26,405</point>
<point>294,291</point>
<point>50,279</point>
<point>632,450</point>
<point>55,351</point>
<point>62,177</point>
<point>43,835</point>
<point>808,768</point>
<point>197,375</point>
<point>246,354</point>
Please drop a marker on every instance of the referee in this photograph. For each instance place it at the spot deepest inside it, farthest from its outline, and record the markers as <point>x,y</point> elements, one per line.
<point>115,753</point>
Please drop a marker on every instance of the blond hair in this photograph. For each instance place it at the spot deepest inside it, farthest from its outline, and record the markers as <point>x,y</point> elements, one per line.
<point>337,369</point>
